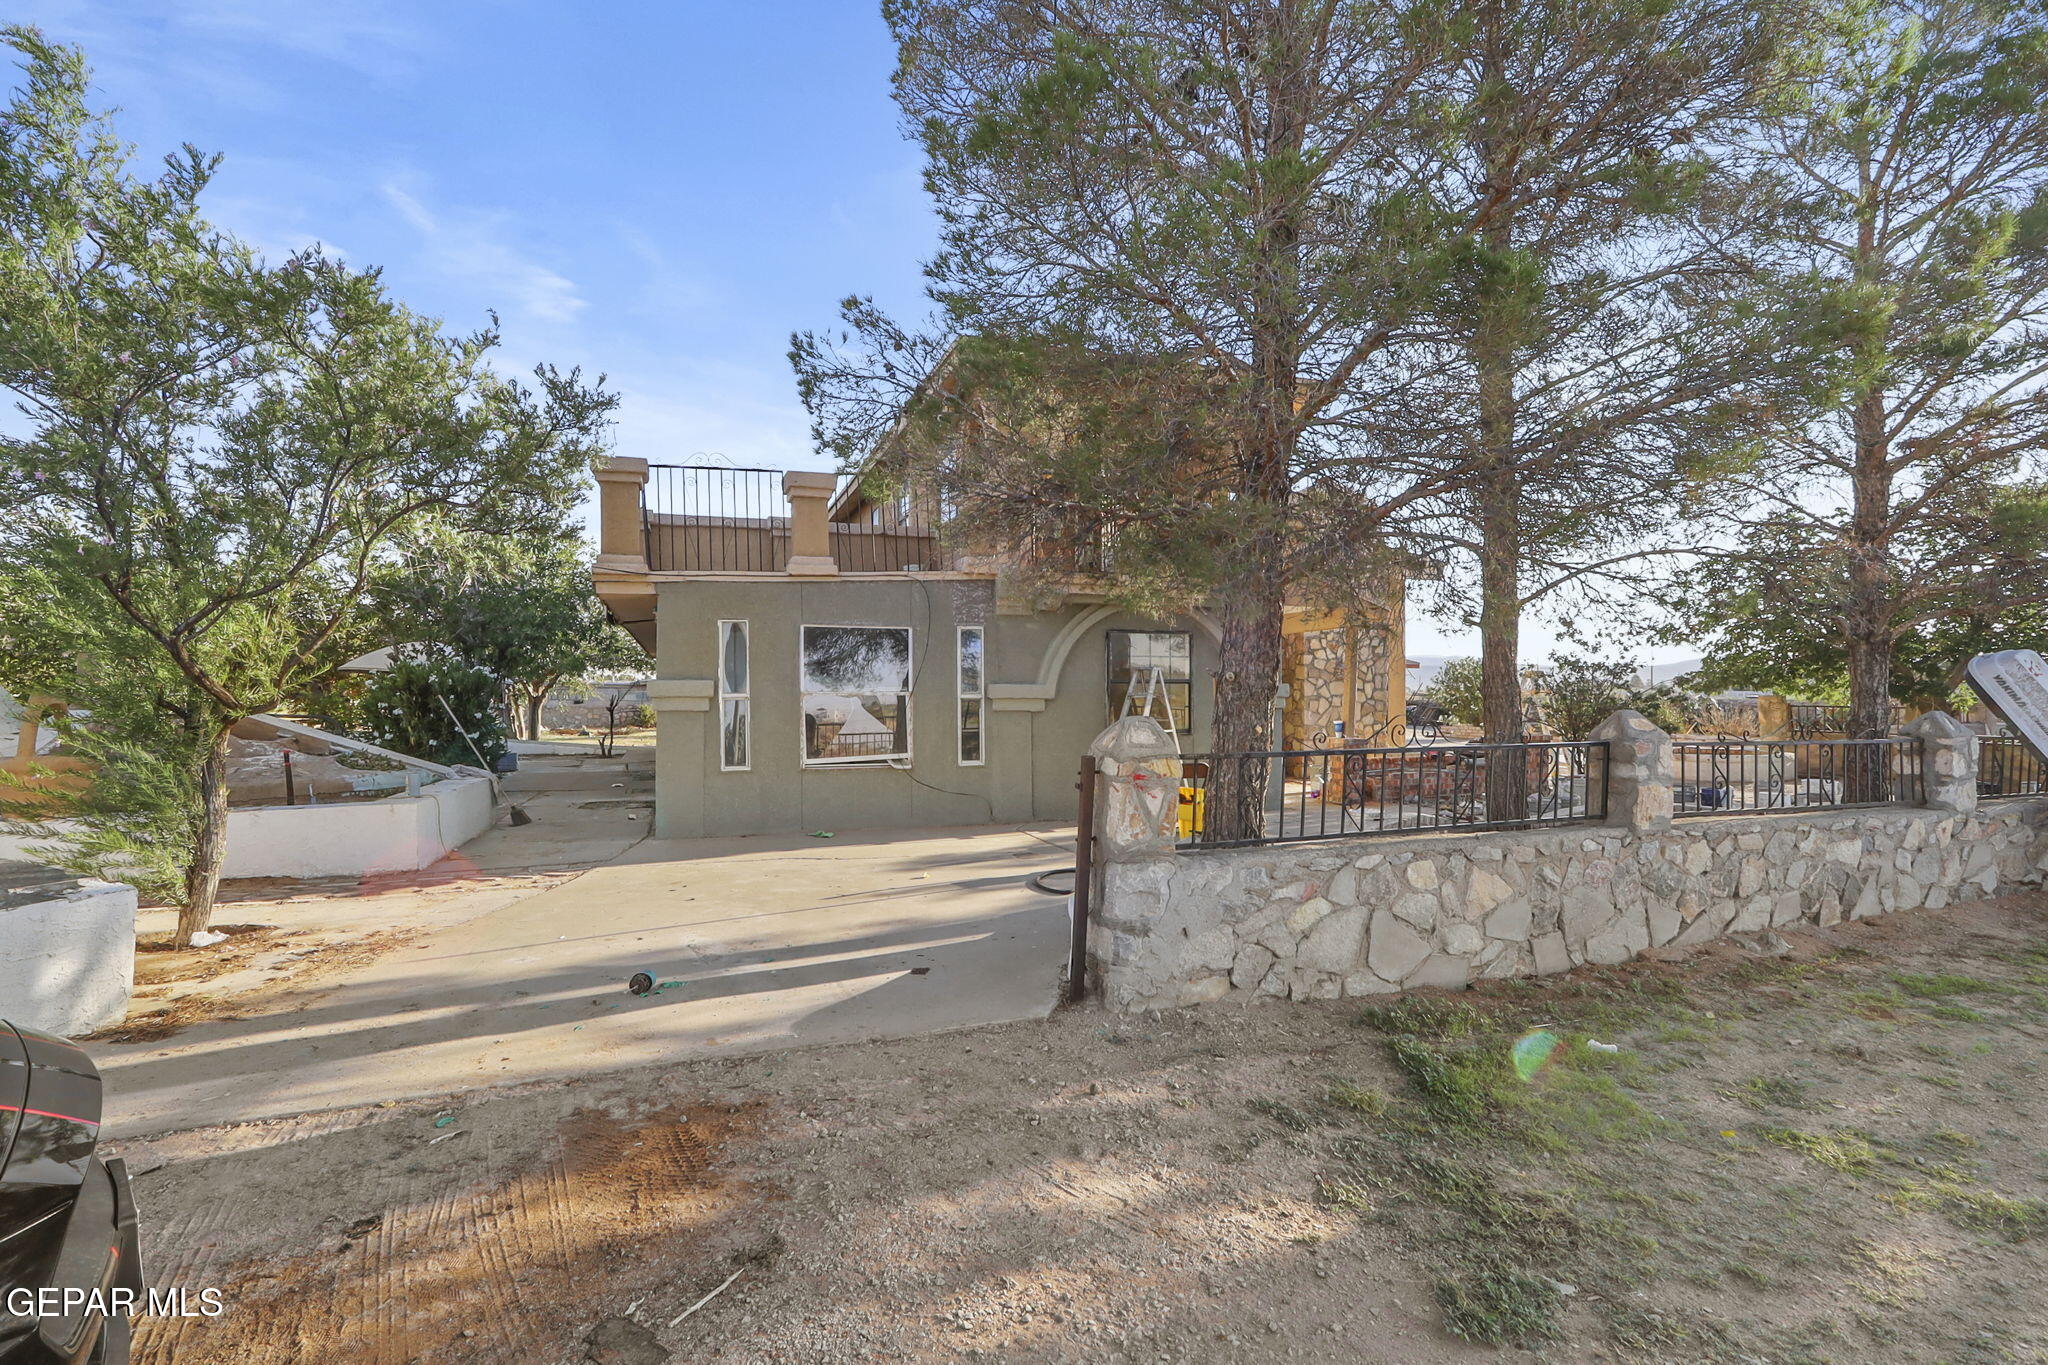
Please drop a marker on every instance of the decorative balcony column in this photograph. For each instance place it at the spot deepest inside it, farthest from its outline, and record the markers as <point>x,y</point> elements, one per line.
<point>810,536</point>
<point>622,541</point>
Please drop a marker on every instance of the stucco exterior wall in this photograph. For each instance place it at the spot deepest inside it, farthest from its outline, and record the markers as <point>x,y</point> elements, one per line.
<point>1367,916</point>
<point>67,952</point>
<point>1036,726</point>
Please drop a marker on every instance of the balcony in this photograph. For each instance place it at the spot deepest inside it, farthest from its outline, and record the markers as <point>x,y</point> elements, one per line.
<point>715,519</point>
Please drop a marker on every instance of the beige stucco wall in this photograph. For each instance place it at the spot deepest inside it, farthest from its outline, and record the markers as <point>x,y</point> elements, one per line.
<point>1034,743</point>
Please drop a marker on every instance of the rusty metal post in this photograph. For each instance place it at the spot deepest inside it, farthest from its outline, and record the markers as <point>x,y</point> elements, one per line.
<point>1084,877</point>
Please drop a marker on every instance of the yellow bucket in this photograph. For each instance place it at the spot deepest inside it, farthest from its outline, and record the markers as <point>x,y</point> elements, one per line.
<point>1190,811</point>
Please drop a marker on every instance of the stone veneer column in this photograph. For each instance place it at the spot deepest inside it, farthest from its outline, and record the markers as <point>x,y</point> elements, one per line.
<point>1137,823</point>
<point>1948,763</point>
<point>1640,773</point>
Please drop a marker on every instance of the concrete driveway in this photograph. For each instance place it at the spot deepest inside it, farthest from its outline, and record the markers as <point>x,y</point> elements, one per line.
<point>768,941</point>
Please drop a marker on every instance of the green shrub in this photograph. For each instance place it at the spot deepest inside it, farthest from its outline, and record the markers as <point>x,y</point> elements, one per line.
<point>1456,689</point>
<point>404,711</point>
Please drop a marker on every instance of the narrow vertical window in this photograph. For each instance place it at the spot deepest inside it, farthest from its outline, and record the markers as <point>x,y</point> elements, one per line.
<point>734,708</point>
<point>971,694</point>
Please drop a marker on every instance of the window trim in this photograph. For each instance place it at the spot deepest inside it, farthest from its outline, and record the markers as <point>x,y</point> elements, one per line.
<point>803,744</point>
<point>745,698</point>
<point>961,696</point>
<point>1185,720</point>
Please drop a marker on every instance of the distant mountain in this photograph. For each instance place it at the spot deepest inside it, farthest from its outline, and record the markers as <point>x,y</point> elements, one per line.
<point>1652,674</point>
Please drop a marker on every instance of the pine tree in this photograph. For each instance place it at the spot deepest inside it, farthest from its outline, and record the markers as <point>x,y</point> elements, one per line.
<point>1898,190</point>
<point>1174,232</point>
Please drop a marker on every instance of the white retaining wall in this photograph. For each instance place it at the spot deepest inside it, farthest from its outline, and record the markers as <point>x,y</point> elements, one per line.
<point>348,838</point>
<point>67,955</point>
<point>345,838</point>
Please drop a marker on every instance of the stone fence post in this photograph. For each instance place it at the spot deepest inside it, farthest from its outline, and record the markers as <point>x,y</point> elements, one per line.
<point>1137,824</point>
<point>1948,762</point>
<point>1641,777</point>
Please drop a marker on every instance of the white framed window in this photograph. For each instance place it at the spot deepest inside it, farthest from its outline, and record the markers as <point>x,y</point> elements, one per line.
<point>735,704</point>
<point>856,695</point>
<point>972,691</point>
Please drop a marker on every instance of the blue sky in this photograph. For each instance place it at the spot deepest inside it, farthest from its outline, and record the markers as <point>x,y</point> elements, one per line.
<point>658,191</point>
<point>661,192</point>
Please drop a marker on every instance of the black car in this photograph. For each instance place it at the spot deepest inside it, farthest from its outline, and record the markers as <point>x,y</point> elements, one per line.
<point>69,1263</point>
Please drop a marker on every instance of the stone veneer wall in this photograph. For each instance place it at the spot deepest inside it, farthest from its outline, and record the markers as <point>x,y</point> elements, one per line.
<point>1315,921</point>
<point>1320,665</point>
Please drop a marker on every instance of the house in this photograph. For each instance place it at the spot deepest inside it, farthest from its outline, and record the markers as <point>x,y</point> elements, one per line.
<point>826,663</point>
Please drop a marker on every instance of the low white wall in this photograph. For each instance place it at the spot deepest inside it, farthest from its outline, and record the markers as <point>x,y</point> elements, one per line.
<point>14,848</point>
<point>67,955</point>
<point>348,838</point>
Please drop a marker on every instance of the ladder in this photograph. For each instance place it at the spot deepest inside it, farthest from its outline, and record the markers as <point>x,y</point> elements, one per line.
<point>1155,694</point>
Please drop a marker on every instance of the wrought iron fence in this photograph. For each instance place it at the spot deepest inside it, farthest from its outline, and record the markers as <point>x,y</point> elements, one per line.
<point>2007,767</point>
<point>1344,793</point>
<point>714,519</point>
<point>909,547</point>
<point>1734,777</point>
<point>891,530</point>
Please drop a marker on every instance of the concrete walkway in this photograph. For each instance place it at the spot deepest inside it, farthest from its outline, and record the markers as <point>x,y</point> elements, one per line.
<point>772,942</point>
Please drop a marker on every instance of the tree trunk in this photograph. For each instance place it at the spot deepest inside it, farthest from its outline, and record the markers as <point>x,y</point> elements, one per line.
<point>202,875</point>
<point>1500,556</point>
<point>1867,616</point>
<point>1867,626</point>
<point>1500,531</point>
<point>1246,683</point>
<point>531,714</point>
<point>1500,578</point>
<point>1500,635</point>
<point>1255,589</point>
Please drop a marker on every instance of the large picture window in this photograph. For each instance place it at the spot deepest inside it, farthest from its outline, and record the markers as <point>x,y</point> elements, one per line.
<point>856,694</point>
<point>734,704</point>
<point>1151,672</point>
<point>972,692</point>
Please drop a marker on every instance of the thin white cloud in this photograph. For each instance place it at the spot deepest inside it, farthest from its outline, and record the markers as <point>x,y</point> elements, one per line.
<point>227,48</point>
<point>367,37</point>
<point>471,246</point>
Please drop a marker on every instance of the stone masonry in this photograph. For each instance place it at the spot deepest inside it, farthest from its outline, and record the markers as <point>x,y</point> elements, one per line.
<point>1375,914</point>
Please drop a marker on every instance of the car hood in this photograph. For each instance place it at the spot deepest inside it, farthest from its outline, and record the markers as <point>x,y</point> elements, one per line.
<point>49,1109</point>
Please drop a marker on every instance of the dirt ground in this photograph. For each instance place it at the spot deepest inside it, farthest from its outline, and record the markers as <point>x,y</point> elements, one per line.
<point>1826,1147</point>
<point>287,936</point>
<point>296,934</point>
